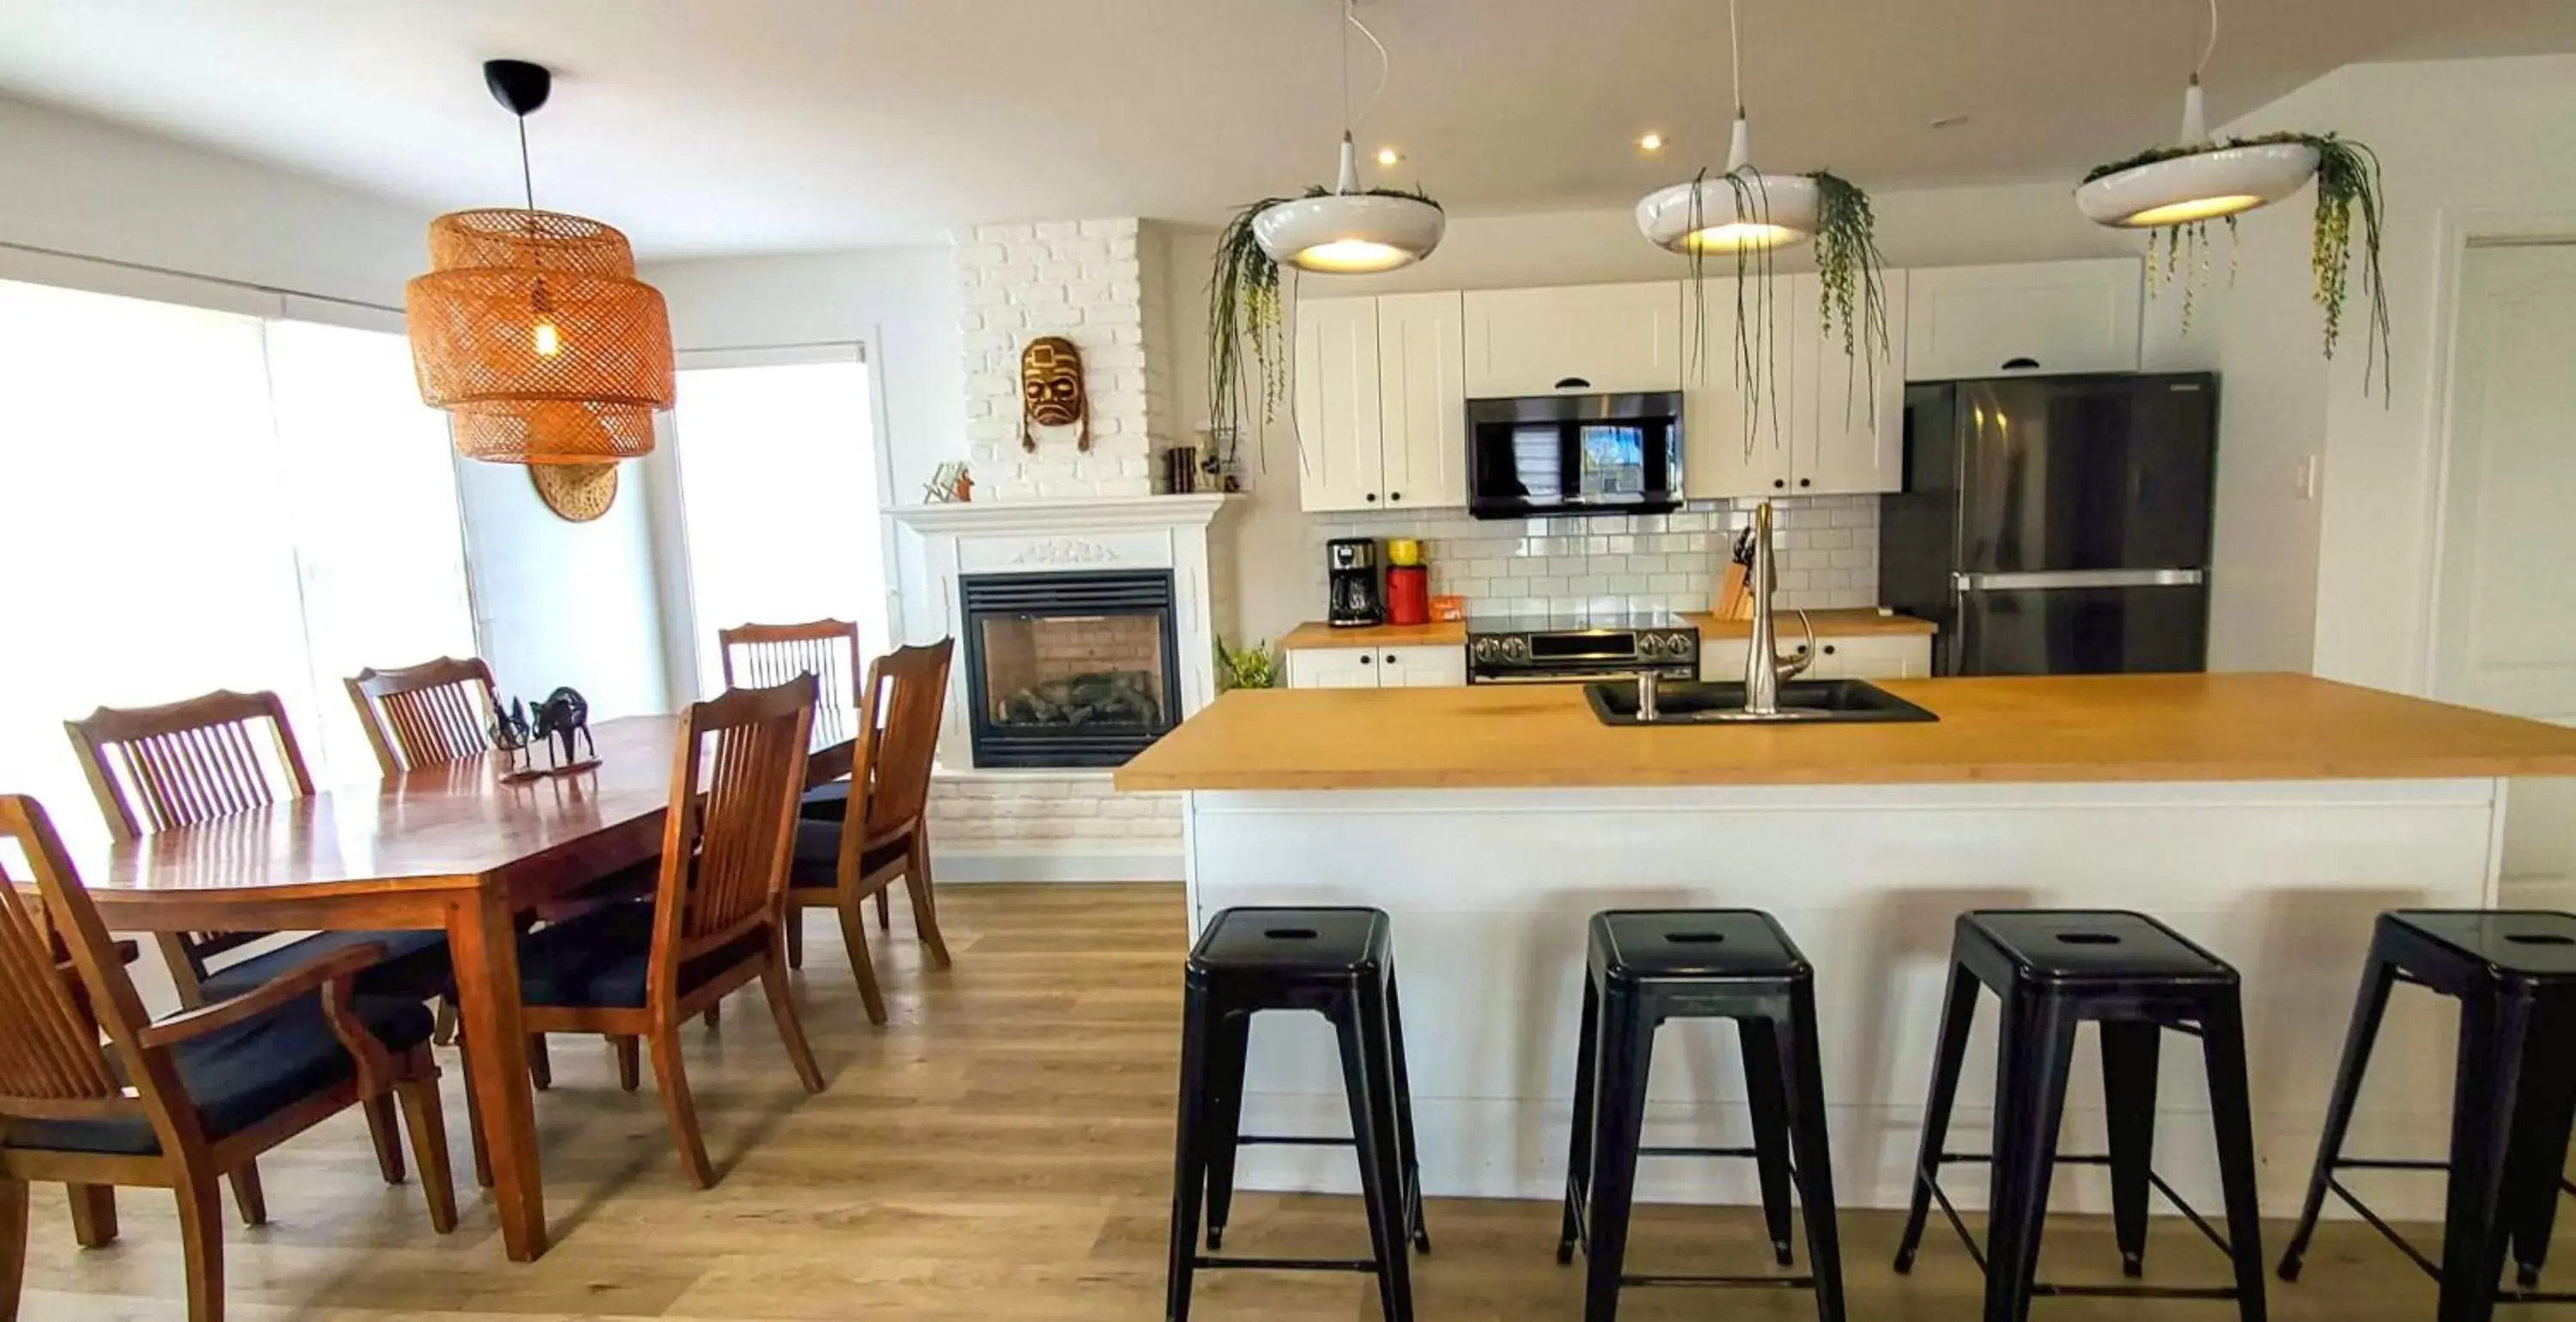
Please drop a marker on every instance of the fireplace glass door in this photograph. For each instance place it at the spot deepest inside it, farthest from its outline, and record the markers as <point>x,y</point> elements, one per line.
<point>1069,669</point>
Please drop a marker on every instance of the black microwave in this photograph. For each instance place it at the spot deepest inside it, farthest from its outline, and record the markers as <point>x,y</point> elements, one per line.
<point>1574,454</point>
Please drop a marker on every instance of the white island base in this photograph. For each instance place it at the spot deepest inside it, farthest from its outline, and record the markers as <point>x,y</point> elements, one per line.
<point>1490,891</point>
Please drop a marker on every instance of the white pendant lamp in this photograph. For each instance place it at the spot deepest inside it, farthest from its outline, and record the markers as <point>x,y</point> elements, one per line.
<point>1348,231</point>
<point>2201,185</point>
<point>1742,210</point>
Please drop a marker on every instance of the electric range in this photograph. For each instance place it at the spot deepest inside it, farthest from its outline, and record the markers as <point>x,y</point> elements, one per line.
<point>1571,646</point>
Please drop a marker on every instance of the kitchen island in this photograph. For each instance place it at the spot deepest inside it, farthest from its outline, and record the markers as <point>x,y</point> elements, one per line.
<point>2269,817</point>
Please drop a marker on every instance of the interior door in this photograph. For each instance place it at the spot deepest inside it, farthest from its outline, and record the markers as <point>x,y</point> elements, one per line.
<point>1339,426</point>
<point>2505,599</point>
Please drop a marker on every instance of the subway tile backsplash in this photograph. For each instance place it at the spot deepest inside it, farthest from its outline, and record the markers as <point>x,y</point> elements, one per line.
<point>1828,549</point>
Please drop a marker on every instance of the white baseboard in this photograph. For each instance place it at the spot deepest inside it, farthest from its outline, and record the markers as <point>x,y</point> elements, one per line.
<point>1026,863</point>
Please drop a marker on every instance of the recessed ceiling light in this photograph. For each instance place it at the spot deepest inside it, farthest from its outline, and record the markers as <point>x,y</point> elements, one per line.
<point>1389,156</point>
<point>1651,142</point>
<point>1949,121</point>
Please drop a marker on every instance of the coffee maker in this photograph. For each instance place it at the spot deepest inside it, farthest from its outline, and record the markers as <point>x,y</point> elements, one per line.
<point>1350,571</point>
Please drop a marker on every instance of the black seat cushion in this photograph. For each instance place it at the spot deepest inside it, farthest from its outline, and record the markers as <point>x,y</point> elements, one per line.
<point>601,958</point>
<point>240,1075</point>
<point>1694,944</point>
<point>415,969</point>
<point>828,802</point>
<point>1286,940</point>
<point>2093,945</point>
<point>818,855</point>
<point>2529,944</point>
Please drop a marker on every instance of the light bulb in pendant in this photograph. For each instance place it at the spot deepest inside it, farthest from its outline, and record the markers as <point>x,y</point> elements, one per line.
<point>549,341</point>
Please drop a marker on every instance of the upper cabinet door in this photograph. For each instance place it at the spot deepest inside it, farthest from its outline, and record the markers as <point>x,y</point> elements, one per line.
<point>1338,416</point>
<point>2039,318</point>
<point>1740,434</point>
<point>1852,416</point>
<point>1586,338</point>
<point>1422,399</point>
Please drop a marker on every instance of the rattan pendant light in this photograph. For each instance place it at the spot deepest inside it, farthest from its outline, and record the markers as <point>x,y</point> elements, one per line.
<point>530,328</point>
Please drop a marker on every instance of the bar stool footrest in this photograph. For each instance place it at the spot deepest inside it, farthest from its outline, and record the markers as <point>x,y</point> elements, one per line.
<point>2504,1295</point>
<point>1364,1266</point>
<point>1932,1182</point>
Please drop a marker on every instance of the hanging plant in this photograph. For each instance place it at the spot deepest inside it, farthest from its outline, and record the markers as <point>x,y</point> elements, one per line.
<point>1754,215</point>
<point>2347,179</point>
<point>1248,311</point>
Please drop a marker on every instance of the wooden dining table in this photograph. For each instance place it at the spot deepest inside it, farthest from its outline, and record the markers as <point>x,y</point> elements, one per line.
<point>441,848</point>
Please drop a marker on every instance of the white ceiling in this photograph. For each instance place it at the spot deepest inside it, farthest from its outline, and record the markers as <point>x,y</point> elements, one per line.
<point>722,126</point>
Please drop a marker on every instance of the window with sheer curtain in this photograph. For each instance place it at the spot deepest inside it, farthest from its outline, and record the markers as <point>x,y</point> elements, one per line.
<point>193,500</point>
<point>778,494</point>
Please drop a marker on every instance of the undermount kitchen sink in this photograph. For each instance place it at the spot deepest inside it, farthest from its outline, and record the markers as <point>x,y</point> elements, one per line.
<point>1802,702</point>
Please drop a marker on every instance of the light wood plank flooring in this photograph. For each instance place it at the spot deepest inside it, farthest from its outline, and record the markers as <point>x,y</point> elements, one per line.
<point>1001,1151</point>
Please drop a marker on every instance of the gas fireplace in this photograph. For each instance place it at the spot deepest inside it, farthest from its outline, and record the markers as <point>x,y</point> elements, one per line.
<point>1069,669</point>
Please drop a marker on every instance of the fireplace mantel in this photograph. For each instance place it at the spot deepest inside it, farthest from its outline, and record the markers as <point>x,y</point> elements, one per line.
<point>996,517</point>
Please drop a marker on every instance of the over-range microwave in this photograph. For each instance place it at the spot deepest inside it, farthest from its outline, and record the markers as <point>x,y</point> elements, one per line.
<point>1574,454</point>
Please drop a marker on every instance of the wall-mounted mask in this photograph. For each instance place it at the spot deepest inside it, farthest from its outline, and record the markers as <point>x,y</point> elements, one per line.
<point>1051,390</point>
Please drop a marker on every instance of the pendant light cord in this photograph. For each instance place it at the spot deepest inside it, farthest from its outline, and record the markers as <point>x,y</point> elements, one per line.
<point>1385,69</point>
<point>1735,56</point>
<point>527,177</point>
<point>2208,47</point>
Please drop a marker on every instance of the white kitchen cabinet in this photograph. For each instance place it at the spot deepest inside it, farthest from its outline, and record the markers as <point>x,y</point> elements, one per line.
<point>1422,399</point>
<point>2036,318</point>
<point>1816,429</point>
<point>1868,656</point>
<point>1381,409</point>
<point>1590,338</point>
<point>1340,463</point>
<point>1415,667</point>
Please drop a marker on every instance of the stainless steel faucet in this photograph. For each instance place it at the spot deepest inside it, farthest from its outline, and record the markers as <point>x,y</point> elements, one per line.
<point>1763,668</point>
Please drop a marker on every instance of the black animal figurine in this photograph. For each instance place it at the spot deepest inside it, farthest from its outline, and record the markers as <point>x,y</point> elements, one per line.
<point>562,717</point>
<point>510,733</point>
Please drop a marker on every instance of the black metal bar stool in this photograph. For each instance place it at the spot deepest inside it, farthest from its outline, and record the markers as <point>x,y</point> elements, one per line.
<point>2134,977</point>
<point>1335,962</point>
<point>2513,1096</point>
<point>1646,967</point>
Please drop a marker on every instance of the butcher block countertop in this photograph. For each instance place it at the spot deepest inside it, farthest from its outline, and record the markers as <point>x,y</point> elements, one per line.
<point>1315,633</point>
<point>1860,622</point>
<point>2234,727</point>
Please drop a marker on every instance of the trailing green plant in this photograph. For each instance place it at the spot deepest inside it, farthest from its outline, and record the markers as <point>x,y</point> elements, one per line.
<point>2347,186</point>
<point>1254,667</point>
<point>1849,271</point>
<point>1248,313</point>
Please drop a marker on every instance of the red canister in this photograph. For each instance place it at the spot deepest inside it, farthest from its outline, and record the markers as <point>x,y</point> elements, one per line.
<point>1408,595</point>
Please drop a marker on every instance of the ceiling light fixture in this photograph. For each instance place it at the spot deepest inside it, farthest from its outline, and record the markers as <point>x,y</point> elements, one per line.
<point>530,328</point>
<point>2202,184</point>
<point>1652,142</point>
<point>1740,209</point>
<point>1389,156</point>
<point>1348,230</point>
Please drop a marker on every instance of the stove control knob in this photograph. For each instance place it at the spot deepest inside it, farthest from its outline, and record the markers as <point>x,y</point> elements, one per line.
<point>1516,649</point>
<point>1681,645</point>
<point>1486,648</point>
<point>1650,644</point>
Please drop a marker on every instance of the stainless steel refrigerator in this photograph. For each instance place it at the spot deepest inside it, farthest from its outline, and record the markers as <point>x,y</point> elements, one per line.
<point>2056,525</point>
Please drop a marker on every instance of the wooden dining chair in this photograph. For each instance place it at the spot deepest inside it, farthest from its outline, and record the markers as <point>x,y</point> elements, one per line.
<point>417,716</point>
<point>755,655</point>
<point>176,1103</point>
<point>717,919</point>
<point>195,761</point>
<point>881,839</point>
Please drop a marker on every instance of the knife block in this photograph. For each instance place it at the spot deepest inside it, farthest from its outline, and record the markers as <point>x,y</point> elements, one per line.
<point>1734,593</point>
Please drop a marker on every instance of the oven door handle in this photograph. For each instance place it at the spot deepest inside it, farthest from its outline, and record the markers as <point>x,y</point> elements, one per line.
<point>1567,676</point>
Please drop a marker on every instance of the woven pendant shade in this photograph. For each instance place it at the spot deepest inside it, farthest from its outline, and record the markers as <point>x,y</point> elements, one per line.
<point>532,331</point>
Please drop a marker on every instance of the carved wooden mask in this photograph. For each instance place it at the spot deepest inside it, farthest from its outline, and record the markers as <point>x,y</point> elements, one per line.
<point>1051,390</point>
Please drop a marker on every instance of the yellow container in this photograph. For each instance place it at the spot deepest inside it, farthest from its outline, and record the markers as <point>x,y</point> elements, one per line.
<point>1403,551</point>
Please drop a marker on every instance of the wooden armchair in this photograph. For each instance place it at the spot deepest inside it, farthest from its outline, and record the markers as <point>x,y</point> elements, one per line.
<point>178,1103</point>
<point>190,762</point>
<point>423,715</point>
<point>881,838</point>
<point>716,921</point>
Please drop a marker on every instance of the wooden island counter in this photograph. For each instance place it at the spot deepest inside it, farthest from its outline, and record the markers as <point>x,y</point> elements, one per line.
<point>2269,817</point>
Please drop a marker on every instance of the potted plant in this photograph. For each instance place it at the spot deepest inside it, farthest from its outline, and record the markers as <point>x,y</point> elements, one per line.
<point>1254,667</point>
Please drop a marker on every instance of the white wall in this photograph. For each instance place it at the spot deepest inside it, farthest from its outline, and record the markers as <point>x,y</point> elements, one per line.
<point>902,302</point>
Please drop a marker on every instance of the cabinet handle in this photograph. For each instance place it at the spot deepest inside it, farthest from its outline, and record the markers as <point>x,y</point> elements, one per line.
<point>1829,649</point>
<point>1372,496</point>
<point>1806,482</point>
<point>1573,383</point>
<point>1395,495</point>
<point>1365,658</point>
<point>1779,482</point>
<point>2021,364</point>
<point>1390,658</point>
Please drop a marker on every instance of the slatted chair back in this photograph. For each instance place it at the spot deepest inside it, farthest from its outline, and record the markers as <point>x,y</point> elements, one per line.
<point>60,982</point>
<point>417,716</point>
<point>724,860</point>
<point>182,763</point>
<point>906,696</point>
<point>766,655</point>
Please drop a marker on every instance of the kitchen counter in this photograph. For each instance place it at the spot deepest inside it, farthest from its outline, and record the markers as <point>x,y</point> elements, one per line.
<point>2234,727</point>
<point>2269,817</point>
<point>1315,633</point>
<point>1859,622</point>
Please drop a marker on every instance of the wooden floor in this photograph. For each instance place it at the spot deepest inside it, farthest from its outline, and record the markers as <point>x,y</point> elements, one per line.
<point>1001,1151</point>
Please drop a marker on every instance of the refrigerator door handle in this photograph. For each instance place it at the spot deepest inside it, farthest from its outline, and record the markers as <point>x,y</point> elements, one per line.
<point>2081,578</point>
